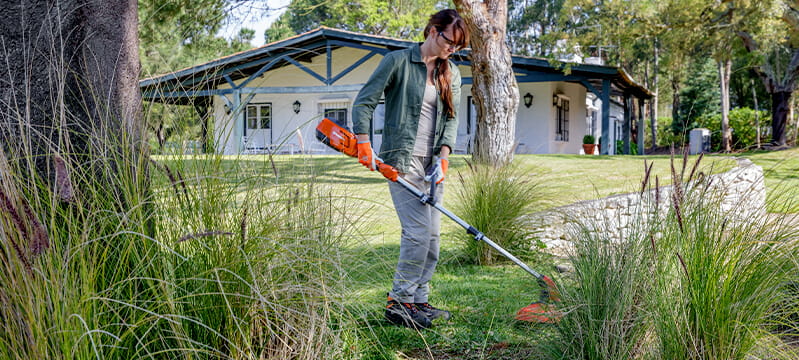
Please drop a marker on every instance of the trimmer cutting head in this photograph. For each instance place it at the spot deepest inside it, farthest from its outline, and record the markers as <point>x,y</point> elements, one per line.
<point>539,313</point>
<point>543,310</point>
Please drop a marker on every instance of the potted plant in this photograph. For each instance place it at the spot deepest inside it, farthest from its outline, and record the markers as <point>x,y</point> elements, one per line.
<point>589,144</point>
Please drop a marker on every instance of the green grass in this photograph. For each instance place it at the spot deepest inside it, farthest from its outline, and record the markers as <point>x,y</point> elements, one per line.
<point>256,255</point>
<point>781,169</point>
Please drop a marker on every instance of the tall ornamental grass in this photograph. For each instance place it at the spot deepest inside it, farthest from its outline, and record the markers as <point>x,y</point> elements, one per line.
<point>190,258</point>
<point>496,201</point>
<point>719,276</point>
<point>696,281</point>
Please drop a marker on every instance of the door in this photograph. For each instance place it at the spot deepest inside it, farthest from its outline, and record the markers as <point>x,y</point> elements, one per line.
<point>258,131</point>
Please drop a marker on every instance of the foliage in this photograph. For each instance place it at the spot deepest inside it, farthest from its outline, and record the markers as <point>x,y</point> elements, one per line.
<point>700,95</point>
<point>213,262</point>
<point>666,135</point>
<point>175,34</point>
<point>533,27</point>
<point>602,300</point>
<point>729,273</point>
<point>690,280</point>
<point>742,123</point>
<point>620,148</point>
<point>589,139</point>
<point>495,201</point>
<point>401,19</point>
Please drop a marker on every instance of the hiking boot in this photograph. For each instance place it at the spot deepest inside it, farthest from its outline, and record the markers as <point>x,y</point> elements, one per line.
<point>406,314</point>
<point>432,312</point>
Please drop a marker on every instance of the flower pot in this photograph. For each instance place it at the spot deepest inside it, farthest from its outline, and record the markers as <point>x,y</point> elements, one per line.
<point>589,149</point>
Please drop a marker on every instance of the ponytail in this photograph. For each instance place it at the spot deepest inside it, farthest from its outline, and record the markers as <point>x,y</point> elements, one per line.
<point>441,20</point>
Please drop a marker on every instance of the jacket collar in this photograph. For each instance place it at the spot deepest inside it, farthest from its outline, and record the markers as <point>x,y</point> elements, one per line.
<point>416,53</point>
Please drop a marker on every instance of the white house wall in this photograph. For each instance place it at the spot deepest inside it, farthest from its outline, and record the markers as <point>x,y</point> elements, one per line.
<point>285,122</point>
<point>535,127</point>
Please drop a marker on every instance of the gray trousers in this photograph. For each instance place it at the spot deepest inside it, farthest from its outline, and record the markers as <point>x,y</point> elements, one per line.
<point>419,242</point>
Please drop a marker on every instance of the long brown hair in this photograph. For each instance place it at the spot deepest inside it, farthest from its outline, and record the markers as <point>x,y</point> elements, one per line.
<point>460,32</point>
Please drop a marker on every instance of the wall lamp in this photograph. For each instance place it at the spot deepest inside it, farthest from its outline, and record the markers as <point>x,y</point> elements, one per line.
<point>555,99</point>
<point>528,100</point>
<point>297,105</point>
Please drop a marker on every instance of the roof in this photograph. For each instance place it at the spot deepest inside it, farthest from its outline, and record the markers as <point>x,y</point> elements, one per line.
<point>304,46</point>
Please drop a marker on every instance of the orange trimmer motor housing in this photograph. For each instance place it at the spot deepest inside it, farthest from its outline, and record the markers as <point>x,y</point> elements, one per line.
<point>337,137</point>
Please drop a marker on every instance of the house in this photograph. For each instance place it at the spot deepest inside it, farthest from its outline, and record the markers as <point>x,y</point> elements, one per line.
<point>271,98</point>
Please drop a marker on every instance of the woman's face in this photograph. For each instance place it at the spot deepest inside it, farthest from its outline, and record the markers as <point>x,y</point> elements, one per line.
<point>443,41</point>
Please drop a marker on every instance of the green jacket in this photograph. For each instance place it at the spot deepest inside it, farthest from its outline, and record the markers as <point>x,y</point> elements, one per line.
<point>402,75</point>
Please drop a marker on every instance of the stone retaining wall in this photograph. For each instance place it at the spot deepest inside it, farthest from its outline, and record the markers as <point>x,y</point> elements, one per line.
<point>741,192</point>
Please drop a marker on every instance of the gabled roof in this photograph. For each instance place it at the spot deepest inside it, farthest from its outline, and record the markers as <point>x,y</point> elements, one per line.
<point>302,47</point>
<point>304,44</point>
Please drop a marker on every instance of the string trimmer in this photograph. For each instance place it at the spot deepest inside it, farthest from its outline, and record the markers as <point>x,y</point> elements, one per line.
<point>343,140</point>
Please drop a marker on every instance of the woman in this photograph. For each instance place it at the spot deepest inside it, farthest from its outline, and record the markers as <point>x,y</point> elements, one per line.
<point>422,95</point>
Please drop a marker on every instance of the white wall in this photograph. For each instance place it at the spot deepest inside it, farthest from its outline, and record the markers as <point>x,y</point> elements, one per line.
<point>535,128</point>
<point>285,122</point>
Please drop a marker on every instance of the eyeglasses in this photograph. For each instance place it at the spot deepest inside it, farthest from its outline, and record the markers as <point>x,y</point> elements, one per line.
<point>452,45</point>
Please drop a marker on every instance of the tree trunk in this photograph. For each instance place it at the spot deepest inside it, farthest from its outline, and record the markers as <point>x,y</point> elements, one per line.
<point>757,112</point>
<point>70,82</point>
<point>653,104</point>
<point>675,104</point>
<point>725,67</point>
<point>494,87</point>
<point>779,116</point>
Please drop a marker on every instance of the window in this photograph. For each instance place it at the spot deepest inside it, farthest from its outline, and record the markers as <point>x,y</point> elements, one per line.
<point>339,116</point>
<point>562,125</point>
<point>259,116</point>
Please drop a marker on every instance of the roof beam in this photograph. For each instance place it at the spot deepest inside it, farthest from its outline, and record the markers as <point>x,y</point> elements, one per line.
<point>350,68</point>
<point>153,95</point>
<point>307,70</point>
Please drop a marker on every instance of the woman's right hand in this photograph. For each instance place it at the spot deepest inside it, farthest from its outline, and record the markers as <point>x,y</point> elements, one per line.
<point>365,156</point>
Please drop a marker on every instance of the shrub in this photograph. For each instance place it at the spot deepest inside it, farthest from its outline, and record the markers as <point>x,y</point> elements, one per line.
<point>589,139</point>
<point>742,125</point>
<point>666,135</point>
<point>496,201</point>
<point>620,148</point>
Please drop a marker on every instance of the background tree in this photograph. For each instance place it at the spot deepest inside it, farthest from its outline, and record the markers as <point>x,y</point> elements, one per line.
<point>775,39</point>
<point>176,34</point>
<point>533,26</point>
<point>494,87</point>
<point>402,19</point>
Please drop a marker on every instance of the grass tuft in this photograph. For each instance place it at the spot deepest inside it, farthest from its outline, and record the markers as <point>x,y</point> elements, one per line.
<point>496,201</point>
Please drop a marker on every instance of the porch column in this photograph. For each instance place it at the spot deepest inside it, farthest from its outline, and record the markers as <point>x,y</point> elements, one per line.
<point>238,121</point>
<point>203,107</point>
<point>626,126</point>
<point>605,147</point>
<point>641,125</point>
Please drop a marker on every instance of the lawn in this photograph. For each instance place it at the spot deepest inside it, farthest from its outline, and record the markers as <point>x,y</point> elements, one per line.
<point>482,299</point>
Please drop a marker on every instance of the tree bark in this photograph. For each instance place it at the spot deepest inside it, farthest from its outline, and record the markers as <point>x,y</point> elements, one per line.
<point>70,81</point>
<point>494,87</point>
<point>675,104</point>
<point>725,67</point>
<point>780,101</point>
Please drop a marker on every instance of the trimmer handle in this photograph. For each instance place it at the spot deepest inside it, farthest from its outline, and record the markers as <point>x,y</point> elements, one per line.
<point>343,140</point>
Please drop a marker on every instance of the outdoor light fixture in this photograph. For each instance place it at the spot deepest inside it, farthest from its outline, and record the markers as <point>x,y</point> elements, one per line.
<point>528,99</point>
<point>555,99</point>
<point>297,105</point>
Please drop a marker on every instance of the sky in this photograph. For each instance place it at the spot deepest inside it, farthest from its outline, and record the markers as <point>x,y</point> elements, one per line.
<point>254,14</point>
